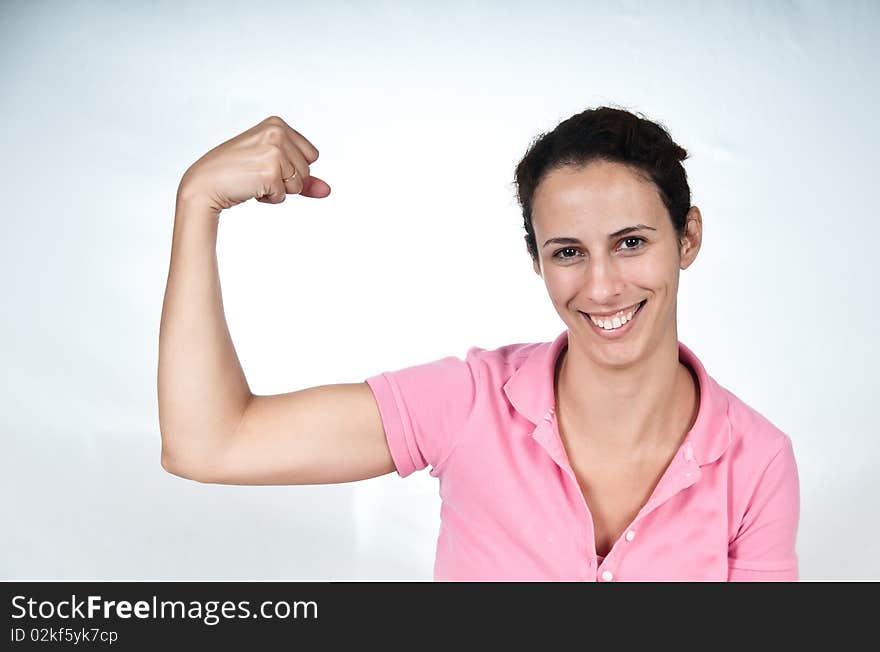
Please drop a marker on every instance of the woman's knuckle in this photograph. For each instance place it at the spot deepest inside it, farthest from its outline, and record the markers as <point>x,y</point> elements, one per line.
<point>312,155</point>
<point>274,134</point>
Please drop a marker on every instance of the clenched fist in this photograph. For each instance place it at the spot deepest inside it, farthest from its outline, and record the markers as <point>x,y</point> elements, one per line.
<point>268,161</point>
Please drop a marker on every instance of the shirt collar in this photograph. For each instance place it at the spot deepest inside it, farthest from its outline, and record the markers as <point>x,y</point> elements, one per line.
<point>530,391</point>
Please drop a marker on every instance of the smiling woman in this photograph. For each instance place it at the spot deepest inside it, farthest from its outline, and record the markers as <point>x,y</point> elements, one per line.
<point>606,454</point>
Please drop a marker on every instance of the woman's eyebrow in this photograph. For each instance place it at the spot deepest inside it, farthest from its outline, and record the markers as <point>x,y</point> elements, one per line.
<point>611,236</point>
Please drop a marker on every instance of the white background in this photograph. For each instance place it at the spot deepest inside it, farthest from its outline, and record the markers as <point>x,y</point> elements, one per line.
<point>421,112</point>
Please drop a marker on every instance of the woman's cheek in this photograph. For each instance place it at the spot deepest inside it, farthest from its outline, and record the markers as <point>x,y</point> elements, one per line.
<point>652,269</point>
<point>560,285</point>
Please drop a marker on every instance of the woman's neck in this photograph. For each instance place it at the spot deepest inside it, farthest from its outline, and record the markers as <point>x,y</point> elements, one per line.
<point>626,411</point>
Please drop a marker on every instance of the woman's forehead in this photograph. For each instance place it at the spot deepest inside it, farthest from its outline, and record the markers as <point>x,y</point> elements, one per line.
<point>600,199</point>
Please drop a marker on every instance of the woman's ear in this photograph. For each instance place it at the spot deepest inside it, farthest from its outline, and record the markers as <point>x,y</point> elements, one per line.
<point>693,237</point>
<point>536,264</point>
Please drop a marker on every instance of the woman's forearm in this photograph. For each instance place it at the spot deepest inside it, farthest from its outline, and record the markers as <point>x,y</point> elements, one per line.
<point>202,388</point>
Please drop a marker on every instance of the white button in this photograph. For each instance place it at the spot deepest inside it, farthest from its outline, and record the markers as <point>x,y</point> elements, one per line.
<point>630,535</point>
<point>607,576</point>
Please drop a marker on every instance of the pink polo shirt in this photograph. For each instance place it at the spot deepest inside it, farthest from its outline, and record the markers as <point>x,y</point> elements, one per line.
<point>725,509</point>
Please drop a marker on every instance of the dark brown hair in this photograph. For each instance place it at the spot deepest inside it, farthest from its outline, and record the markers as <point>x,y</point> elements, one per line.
<point>608,134</point>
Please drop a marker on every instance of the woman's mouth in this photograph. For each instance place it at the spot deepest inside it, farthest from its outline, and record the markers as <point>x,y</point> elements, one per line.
<point>616,325</point>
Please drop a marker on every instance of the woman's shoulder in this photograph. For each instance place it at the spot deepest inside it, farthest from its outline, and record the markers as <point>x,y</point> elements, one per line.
<point>507,353</point>
<point>517,353</point>
<point>503,361</point>
<point>753,434</point>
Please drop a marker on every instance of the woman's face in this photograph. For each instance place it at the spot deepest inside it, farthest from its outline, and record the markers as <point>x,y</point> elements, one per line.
<point>606,247</point>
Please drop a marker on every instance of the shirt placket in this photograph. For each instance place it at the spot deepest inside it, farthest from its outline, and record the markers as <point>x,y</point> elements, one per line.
<point>682,472</point>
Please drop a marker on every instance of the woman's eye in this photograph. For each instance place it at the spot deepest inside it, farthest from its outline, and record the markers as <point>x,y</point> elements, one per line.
<point>557,254</point>
<point>632,240</point>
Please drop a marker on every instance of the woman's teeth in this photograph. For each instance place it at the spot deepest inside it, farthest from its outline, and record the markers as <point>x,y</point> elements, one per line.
<point>617,320</point>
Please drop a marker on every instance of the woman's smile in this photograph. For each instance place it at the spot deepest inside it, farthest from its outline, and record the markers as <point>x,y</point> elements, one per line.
<point>616,325</point>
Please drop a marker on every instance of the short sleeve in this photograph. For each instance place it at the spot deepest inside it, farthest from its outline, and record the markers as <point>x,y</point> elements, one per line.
<point>764,547</point>
<point>425,408</point>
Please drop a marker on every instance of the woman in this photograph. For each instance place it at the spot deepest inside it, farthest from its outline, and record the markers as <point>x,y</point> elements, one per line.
<point>607,454</point>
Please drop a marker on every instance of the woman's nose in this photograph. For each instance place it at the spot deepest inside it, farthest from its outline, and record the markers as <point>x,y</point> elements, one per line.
<point>603,281</point>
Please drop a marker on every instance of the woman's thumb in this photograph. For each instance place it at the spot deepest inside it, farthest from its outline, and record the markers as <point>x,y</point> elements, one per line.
<point>315,187</point>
